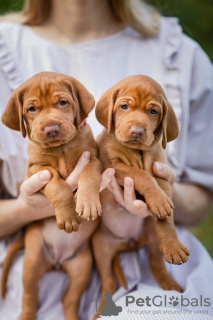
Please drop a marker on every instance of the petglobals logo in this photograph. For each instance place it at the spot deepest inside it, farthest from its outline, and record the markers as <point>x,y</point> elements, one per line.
<point>164,301</point>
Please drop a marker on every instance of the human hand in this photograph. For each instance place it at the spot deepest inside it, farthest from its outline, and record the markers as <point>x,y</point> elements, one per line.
<point>162,170</point>
<point>36,204</point>
<point>127,198</point>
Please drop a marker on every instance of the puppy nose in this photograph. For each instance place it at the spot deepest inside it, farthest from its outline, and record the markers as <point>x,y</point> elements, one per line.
<point>52,131</point>
<point>137,132</point>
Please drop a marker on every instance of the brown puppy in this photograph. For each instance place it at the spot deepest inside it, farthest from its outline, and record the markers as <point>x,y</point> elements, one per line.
<point>50,108</point>
<point>136,113</point>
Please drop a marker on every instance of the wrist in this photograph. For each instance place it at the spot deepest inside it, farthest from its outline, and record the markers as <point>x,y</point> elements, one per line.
<point>24,211</point>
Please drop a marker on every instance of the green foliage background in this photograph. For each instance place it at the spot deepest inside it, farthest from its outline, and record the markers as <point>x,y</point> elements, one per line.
<point>196,19</point>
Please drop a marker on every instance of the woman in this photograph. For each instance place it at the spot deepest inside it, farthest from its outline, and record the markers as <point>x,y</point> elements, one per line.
<point>99,43</point>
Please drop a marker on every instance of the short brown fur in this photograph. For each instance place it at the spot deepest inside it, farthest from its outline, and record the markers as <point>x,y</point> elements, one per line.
<point>56,143</point>
<point>136,114</point>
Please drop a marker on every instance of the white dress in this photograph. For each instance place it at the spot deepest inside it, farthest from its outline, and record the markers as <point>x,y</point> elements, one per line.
<point>186,74</point>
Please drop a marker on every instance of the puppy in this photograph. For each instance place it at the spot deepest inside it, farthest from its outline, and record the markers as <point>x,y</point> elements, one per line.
<point>50,109</point>
<point>136,114</point>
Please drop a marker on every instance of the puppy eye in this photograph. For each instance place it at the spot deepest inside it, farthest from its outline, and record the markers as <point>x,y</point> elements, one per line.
<point>124,107</point>
<point>153,111</point>
<point>31,109</point>
<point>63,102</point>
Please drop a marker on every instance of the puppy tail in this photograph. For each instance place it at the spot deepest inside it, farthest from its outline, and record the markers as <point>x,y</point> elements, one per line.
<point>17,245</point>
<point>119,272</point>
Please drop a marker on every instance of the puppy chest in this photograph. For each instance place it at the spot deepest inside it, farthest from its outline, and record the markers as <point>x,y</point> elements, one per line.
<point>136,159</point>
<point>65,166</point>
<point>132,158</point>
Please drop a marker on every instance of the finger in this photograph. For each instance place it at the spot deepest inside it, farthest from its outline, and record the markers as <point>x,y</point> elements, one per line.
<point>117,191</point>
<point>35,183</point>
<point>164,171</point>
<point>129,193</point>
<point>106,178</point>
<point>141,209</point>
<point>72,179</point>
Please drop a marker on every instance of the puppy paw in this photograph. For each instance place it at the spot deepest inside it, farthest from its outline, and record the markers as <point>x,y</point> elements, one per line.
<point>88,206</point>
<point>170,284</point>
<point>175,252</point>
<point>69,223</point>
<point>160,205</point>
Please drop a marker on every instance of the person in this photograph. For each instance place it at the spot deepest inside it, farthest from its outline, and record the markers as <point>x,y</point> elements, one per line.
<point>99,43</point>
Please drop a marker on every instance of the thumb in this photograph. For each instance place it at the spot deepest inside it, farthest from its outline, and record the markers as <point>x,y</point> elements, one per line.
<point>164,171</point>
<point>35,183</point>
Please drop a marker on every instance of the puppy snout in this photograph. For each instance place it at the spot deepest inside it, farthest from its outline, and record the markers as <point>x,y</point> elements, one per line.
<point>136,132</point>
<point>52,131</point>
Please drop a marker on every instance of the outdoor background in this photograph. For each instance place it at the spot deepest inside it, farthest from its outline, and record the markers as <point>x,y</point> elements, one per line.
<point>196,19</point>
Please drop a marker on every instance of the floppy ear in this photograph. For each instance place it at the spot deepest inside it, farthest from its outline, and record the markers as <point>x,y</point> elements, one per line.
<point>104,108</point>
<point>12,116</point>
<point>169,123</point>
<point>84,100</point>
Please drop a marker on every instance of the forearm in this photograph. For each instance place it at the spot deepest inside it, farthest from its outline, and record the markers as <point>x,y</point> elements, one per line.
<point>192,204</point>
<point>13,217</point>
<point>15,214</point>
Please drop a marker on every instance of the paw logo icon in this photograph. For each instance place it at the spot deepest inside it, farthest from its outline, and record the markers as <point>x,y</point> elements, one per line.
<point>174,301</point>
<point>110,308</point>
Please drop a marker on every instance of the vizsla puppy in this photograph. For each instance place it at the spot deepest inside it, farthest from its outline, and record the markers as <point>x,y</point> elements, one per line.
<point>50,108</point>
<point>136,114</point>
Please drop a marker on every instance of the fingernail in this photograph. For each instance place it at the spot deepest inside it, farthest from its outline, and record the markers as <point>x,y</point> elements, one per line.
<point>128,183</point>
<point>88,219</point>
<point>87,155</point>
<point>99,214</point>
<point>159,167</point>
<point>110,174</point>
<point>79,213</point>
<point>93,218</point>
<point>45,175</point>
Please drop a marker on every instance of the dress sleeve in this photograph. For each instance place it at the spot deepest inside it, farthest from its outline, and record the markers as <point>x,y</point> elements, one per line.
<point>199,157</point>
<point>12,167</point>
<point>7,174</point>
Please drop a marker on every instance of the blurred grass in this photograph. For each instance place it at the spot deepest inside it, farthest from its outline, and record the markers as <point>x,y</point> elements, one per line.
<point>196,19</point>
<point>204,233</point>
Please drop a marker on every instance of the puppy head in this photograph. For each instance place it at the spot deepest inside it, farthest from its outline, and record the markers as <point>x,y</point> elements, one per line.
<point>49,107</point>
<point>137,112</point>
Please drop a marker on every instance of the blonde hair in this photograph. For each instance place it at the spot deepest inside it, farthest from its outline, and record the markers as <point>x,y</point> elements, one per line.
<point>134,13</point>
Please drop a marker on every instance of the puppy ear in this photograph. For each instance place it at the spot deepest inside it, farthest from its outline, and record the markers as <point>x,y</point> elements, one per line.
<point>104,108</point>
<point>12,116</point>
<point>84,100</point>
<point>169,123</point>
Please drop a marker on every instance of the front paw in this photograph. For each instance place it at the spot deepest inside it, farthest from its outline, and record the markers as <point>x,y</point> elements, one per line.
<point>88,205</point>
<point>175,252</point>
<point>160,205</point>
<point>67,221</point>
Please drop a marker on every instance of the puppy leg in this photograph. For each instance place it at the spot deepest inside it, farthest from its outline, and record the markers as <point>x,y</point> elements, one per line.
<point>79,271</point>
<point>105,249</point>
<point>158,202</point>
<point>35,266</point>
<point>59,193</point>
<point>157,262</point>
<point>174,251</point>
<point>88,200</point>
